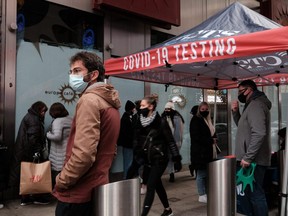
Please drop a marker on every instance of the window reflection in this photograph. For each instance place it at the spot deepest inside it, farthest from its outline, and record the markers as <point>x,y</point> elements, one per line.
<point>58,25</point>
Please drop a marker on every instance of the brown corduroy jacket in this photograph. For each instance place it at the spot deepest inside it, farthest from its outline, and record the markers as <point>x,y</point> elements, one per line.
<point>91,145</point>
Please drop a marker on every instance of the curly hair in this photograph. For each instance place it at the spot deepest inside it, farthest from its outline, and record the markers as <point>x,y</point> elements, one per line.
<point>91,61</point>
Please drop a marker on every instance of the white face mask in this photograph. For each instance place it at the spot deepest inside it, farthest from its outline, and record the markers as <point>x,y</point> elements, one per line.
<point>77,83</point>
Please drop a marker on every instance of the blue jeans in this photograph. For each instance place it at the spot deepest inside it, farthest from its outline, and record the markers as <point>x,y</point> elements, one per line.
<point>201,181</point>
<point>253,203</point>
<point>170,166</point>
<point>127,159</point>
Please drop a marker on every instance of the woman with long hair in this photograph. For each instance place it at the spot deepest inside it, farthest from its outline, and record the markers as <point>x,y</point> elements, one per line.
<point>203,149</point>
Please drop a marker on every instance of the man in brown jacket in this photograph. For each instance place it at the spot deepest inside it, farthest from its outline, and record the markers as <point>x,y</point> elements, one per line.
<point>92,142</point>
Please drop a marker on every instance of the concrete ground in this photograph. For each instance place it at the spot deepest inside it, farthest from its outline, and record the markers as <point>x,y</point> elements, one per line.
<point>182,195</point>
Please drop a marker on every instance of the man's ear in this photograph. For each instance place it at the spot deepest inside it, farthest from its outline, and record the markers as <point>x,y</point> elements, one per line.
<point>95,75</point>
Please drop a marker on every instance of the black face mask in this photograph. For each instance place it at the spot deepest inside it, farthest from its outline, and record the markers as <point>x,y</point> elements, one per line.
<point>204,113</point>
<point>166,113</point>
<point>144,112</point>
<point>242,97</point>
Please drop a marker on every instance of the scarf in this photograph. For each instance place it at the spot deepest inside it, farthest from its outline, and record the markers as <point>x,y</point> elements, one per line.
<point>212,132</point>
<point>170,122</point>
<point>145,121</point>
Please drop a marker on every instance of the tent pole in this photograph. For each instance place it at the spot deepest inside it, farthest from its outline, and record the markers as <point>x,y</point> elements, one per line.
<point>215,108</point>
<point>284,180</point>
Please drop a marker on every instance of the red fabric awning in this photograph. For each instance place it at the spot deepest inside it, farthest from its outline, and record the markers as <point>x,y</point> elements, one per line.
<point>214,63</point>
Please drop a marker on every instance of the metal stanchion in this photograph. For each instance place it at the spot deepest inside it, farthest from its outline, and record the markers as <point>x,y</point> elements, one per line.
<point>117,199</point>
<point>222,187</point>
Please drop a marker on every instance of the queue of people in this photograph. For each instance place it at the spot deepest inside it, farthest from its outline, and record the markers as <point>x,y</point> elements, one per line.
<point>81,149</point>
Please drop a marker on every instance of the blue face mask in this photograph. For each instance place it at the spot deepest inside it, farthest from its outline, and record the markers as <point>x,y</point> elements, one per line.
<point>77,83</point>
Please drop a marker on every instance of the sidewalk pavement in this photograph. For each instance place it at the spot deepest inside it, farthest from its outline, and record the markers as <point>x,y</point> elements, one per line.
<point>182,196</point>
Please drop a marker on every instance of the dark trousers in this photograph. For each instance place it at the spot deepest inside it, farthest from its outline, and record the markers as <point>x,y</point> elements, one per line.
<point>145,174</point>
<point>73,209</point>
<point>154,183</point>
<point>53,176</point>
<point>253,203</point>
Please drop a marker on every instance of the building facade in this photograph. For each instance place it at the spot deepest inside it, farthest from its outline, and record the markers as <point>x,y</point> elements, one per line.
<point>38,38</point>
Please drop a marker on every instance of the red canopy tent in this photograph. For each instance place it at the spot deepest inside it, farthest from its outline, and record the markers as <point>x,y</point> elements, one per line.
<point>217,54</point>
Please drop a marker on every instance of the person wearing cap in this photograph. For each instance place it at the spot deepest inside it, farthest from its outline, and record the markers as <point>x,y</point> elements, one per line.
<point>127,125</point>
<point>252,145</point>
<point>176,124</point>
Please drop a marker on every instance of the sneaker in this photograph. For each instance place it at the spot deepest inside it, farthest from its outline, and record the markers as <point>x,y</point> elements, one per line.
<point>203,198</point>
<point>26,201</point>
<point>143,189</point>
<point>172,178</point>
<point>1,206</point>
<point>167,212</point>
<point>41,201</point>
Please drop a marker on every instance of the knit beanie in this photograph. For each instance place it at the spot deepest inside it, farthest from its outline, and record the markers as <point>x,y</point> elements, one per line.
<point>194,110</point>
<point>129,106</point>
<point>170,105</point>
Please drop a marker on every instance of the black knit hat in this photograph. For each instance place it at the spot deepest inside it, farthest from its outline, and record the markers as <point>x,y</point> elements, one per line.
<point>194,110</point>
<point>129,106</point>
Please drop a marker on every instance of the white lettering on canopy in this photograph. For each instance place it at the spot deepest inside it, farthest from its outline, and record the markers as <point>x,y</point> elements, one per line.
<point>203,34</point>
<point>180,52</point>
<point>133,61</point>
<point>260,62</point>
<point>205,49</point>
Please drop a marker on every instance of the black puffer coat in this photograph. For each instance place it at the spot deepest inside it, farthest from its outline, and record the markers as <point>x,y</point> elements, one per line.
<point>30,140</point>
<point>152,143</point>
<point>201,143</point>
<point>127,126</point>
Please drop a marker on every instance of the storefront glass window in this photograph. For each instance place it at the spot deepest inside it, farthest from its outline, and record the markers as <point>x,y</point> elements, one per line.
<point>48,35</point>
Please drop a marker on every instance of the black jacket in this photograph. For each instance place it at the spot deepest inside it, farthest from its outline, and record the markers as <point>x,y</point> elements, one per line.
<point>31,139</point>
<point>201,143</point>
<point>152,143</point>
<point>127,127</point>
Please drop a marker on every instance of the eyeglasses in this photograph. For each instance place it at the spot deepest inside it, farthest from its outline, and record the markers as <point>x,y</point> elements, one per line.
<point>242,90</point>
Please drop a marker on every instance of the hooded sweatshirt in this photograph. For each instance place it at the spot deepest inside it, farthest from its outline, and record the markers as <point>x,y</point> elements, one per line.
<point>91,145</point>
<point>253,134</point>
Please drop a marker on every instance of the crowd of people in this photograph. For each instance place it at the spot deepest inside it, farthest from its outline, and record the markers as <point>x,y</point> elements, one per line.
<point>81,149</point>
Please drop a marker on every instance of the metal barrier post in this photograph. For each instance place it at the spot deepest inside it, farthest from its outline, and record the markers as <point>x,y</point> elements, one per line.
<point>117,199</point>
<point>222,187</point>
